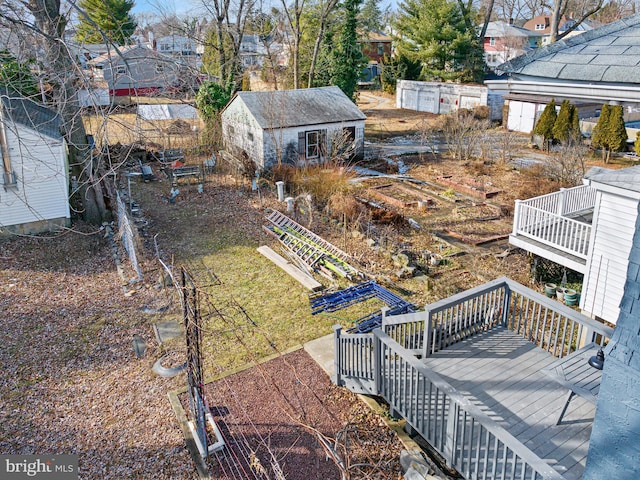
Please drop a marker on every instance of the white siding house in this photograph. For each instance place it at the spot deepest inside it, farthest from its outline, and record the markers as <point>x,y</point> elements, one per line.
<point>34,194</point>
<point>292,126</point>
<point>615,214</point>
<point>588,229</point>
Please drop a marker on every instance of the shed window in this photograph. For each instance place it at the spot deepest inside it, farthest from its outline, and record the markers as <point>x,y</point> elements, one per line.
<point>159,68</point>
<point>250,136</point>
<point>313,140</point>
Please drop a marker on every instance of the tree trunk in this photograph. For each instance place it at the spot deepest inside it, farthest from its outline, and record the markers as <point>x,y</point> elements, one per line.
<point>487,19</point>
<point>64,78</point>
<point>555,20</point>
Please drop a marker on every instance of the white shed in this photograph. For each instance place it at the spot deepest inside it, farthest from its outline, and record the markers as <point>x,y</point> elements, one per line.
<point>34,197</point>
<point>615,214</point>
<point>292,126</point>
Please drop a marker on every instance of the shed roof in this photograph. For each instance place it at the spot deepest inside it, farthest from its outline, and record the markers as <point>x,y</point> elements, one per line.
<point>292,108</point>
<point>30,114</point>
<point>168,111</point>
<point>609,54</point>
<point>626,178</point>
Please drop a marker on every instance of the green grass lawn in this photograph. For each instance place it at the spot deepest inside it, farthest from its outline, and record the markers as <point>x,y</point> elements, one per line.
<point>257,310</point>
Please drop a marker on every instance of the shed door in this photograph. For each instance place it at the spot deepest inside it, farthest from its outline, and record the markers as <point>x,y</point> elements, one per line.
<point>522,116</point>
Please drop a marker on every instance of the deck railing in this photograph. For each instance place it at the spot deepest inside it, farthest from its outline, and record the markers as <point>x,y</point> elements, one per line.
<point>546,219</point>
<point>385,364</point>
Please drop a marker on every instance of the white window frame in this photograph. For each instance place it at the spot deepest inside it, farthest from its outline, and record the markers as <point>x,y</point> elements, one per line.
<point>540,26</point>
<point>121,69</point>
<point>312,146</point>
<point>492,41</point>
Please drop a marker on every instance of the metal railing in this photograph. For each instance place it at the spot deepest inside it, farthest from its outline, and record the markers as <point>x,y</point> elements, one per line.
<point>384,363</point>
<point>545,219</point>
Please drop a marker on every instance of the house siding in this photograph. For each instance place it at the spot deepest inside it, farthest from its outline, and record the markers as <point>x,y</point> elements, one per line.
<point>41,194</point>
<point>607,265</point>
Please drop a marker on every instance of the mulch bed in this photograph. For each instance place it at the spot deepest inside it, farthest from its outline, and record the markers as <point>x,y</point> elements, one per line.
<point>279,417</point>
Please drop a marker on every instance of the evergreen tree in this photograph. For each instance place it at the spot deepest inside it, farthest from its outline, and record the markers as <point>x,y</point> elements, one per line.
<point>111,18</point>
<point>16,76</point>
<point>370,17</point>
<point>600,132</point>
<point>545,124</point>
<point>562,126</point>
<point>636,145</point>
<point>398,67</point>
<point>575,131</point>
<point>617,132</point>
<point>348,60</point>
<point>439,34</point>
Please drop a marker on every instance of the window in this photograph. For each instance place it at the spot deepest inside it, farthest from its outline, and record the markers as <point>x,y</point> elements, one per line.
<point>121,69</point>
<point>159,68</point>
<point>540,26</point>
<point>380,49</point>
<point>313,144</point>
<point>231,130</point>
<point>492,41</point>
<point>250,136</point>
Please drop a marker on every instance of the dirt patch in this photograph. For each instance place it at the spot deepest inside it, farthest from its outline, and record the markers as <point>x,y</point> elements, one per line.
<point>284,415</point>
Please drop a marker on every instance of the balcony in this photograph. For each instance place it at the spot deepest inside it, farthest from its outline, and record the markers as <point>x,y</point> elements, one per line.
<point>495,379</point>
<point>556,226</point>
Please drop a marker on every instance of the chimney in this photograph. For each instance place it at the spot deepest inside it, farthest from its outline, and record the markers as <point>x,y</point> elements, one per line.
<point>613,447</point>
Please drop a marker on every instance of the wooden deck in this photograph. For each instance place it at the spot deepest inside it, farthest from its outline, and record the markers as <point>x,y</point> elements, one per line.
<point>501,373</point>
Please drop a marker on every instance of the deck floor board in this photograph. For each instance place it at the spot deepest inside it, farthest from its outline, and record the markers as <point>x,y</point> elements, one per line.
<point>501,373</point>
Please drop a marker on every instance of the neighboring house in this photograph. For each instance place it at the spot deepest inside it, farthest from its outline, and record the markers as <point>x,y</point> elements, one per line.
<point>180,48</point>
<point>135,71</point>
<point>293,126</point>
<point>84,53</point>
<point>599,66</point>
<point>542,25</point>
<point>375,46</point>
<point>252,51</point>
<point>588,229</point>
<point>34,196</point>
<point>504,41</point>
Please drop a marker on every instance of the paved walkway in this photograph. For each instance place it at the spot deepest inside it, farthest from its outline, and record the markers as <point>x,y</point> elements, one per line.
<point>321,350</point>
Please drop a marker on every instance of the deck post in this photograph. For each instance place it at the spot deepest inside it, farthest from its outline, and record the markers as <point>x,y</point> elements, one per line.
<point>516,217</point>
<point>561,201</point>
<point>383,313</point>
<point>377,362</point>
<point>337,355</point>
<point>426,333</point>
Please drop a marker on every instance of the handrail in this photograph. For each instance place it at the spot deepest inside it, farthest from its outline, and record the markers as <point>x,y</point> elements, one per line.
<point>509,454</point>
<point>566,201</point>
<point>552,229</point>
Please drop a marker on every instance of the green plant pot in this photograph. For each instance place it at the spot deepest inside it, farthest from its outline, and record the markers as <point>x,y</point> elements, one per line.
<point>550,289</point>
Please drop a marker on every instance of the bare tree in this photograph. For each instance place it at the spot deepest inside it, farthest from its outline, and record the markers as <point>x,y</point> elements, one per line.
<point>293,14</point>
<point>325,7</point>
<point>567,165</point>
<point>582,9</point>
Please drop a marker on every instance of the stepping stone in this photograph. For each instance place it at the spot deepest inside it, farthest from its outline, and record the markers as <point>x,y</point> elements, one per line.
<point>167,330</point>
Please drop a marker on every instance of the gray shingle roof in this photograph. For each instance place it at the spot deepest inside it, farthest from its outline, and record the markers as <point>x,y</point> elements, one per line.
<point>627,178</point>
<point>308,106</point>
<point>28,113</point>
<point>609,54</point>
